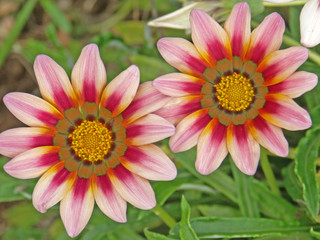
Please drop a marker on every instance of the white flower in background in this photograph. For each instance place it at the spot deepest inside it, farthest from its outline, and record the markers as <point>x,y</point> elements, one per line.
<point>309,21</point>
<point>179,19</point>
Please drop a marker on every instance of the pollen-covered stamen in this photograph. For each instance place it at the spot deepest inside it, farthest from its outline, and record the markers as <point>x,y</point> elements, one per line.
<point>91,140</point>
<point>234,92</point>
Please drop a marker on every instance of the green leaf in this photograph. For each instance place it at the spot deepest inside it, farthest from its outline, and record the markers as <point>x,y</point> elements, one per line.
<point>306,155</point>
<point>186,232</point>
<point>21,19</point>
<point>56,15</point>
<point>214,227</point>
<point>130,31</point>
<point>272,205</point>
<point>315,233</point>
<point>294,22</point>
<point>218,180</point>
<point>155,236</point>
<point>292,183</point>
<point>218,210</point>
<point>247,203</point>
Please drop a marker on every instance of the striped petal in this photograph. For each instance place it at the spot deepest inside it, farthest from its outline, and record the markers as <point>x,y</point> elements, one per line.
<point>52,187</point>
<point>238,27</point>
<point>17,140</point>
<point>244,150</point>
<point>178,84</point>
<point>295,85</point>
<point>269,136</point>
<point>32,110</point>
<point>309,23</point>
<point>266,38</point>
<point>148,129</point>
<point>209,37</point>
<point>149,162</point>
<point>279,65</point>
<point>32,163</point>
<point>77,206</point>
<point>212,147</point>
<point>148,99</point>
<point>120,91</point>
<point>134,189</point>
<point>108,199</point>
<point>89,75</point>
<point>283,112</point>
<point>54,83</point>
<point>188,131</point>
<point>182,55</point>
<point>178,108</point>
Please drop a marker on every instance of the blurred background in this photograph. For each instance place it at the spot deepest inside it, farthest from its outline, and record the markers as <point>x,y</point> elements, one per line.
<point>60,29</point>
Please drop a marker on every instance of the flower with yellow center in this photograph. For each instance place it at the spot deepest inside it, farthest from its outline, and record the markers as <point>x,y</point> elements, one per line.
<point>235,90</point>
<point>88,142</point>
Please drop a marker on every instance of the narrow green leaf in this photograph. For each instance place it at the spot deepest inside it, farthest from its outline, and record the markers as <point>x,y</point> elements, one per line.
<point>272,205</point>
<point>218,210</point>
<point>218,180</point>
<point>155,236</point>
<point>315,233</point>
<point>247,203</point>
<point>214,227</point>
<point>186,232</point>
<point>56,15</point>
<point>306,155</point>
<point>294,22</point>
<point>21,19</point>
<point>292,183</point>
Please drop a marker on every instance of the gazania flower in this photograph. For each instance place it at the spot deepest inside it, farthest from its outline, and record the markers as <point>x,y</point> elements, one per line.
<point>88,142</point>
<point>235,89</point>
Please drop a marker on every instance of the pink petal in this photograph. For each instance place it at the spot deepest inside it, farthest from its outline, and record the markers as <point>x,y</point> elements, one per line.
<point>120,91</point>
<point>32,163</point>
<point>148,99</point>
<point>17,140</point>
<point>295,85</point>
<point>244,150</point>
<point>269,136</point>
<point>32,110</point>
<point>134,189</point>
<point>283,112</point>
<point>89,75</point>
<point>309,23</point>
<point>52,187</point>
<point>238,27</point>
<point>212,147</point>
<point>266,38</point>
<point>178,108</point>
<point>188,131</point>
<point>182,55</point>
<point>108,199</point>
<point>279,65</point>
<point>148,129</point>
<point>178,84</point>
<point>54,83</point>
<point>209,37</point>
<point>76,207</point>
<point>149,162</point>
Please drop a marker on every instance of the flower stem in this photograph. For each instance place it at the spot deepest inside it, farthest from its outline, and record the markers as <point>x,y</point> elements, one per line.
<point>294,3</point>
<point>267,170</point>
<point>165,217</point>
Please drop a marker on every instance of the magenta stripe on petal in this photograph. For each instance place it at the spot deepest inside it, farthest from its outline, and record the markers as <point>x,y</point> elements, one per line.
<point>178,108</point>
<point>17,140</point>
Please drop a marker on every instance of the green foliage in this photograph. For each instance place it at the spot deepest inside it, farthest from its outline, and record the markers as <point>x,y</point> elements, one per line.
<point>306,155</point>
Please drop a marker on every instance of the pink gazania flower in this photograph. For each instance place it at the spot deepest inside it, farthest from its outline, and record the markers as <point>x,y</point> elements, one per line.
<point>88,142</point>
<point>235,90</point>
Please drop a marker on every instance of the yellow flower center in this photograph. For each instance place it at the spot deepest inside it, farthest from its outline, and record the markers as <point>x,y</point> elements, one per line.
<point>234,92</point>
<point>91,141</point>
